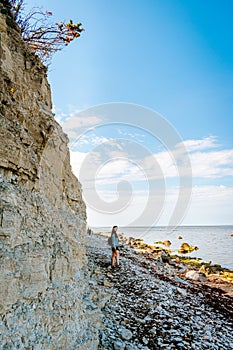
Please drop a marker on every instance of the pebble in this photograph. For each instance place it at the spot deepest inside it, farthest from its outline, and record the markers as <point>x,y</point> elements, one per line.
<point>145,341</point>
<point>130,347</point>
<point>107,284</point>
<point>182,291</point>
<point>126,334</point>
<point>118,345</point>
<point>180,345</point>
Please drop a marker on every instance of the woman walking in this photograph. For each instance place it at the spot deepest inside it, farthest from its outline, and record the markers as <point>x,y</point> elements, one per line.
<point>115,247</point>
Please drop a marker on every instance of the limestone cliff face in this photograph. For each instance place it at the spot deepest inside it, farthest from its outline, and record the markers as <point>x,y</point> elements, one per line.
<point>42,214</point>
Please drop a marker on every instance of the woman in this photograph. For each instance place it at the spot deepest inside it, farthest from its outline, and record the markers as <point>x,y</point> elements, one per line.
<point>115,247</point>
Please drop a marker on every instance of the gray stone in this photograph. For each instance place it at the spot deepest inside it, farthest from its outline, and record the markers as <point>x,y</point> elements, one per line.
<point>182,291</point>
<point>131,347</point>
<point>195,275</point>
<point>119,345</point>
<point>126,334</point>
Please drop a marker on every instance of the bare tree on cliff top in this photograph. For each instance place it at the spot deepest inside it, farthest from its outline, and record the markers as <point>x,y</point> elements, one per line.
<point>37,28</point>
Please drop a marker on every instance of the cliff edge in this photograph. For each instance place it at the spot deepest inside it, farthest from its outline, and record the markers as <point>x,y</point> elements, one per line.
<point>42,214</point>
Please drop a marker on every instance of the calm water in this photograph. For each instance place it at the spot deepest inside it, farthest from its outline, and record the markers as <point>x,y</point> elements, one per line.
<point>214,242</point>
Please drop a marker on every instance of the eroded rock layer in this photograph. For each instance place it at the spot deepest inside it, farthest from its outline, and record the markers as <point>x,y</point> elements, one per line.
<point>42,214</point>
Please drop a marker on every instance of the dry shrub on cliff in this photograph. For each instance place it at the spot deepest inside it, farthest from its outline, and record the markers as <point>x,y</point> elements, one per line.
<point>39,30</point>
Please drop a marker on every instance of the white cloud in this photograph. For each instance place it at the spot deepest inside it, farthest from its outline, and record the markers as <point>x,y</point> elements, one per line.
<point>202,144</point>
<point>164,161</point>
<point>77,124</point>
<point>140,137</point>
<point>212,164</point>
<point>92,140</point>
<point>76,160</point>
<point>204,164</point>
<point>212,193</point>
<point>60,118</point>
<point>209,204</point>
<point>75,121</point>
<point>119,169</point>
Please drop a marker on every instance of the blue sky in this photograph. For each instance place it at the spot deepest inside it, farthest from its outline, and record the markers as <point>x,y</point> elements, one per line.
<point>173,56</point>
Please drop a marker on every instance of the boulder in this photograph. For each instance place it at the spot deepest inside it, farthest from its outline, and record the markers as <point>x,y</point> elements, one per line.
<point>164,257</point>
<point>167,243</point>
<point>186,248</point>
<point>195,276</point>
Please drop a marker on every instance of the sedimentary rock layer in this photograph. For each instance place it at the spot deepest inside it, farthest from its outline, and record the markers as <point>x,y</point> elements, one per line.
<point>42,214</point>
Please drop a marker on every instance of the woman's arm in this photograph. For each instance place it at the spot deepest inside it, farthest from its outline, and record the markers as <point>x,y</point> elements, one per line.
<point>113,241</point>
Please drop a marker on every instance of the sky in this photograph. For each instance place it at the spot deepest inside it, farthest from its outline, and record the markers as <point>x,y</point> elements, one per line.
<point>162,72</point>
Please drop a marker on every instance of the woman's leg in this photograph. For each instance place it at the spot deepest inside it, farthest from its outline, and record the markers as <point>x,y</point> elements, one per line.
<point>113,257</point>
<point>117,257</point>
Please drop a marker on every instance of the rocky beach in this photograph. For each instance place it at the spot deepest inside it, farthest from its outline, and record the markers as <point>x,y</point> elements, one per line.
<point>58,290</point>
<point>154,301</point>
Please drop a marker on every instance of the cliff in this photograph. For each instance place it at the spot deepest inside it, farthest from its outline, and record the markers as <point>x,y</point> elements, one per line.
<point>43,279</point>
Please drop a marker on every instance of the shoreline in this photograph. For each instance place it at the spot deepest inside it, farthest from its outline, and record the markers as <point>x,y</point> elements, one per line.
<point>213,243</point>
<point>216,275</point>
<point>151,304</point>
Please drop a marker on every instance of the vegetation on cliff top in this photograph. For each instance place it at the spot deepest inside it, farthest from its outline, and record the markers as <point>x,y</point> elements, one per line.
<point>38,29</point>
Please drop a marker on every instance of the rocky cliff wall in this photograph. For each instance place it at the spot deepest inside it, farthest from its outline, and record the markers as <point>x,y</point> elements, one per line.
<point>43,278</point>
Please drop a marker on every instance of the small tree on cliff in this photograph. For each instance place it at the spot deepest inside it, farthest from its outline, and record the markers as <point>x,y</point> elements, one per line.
<point>37,28</point>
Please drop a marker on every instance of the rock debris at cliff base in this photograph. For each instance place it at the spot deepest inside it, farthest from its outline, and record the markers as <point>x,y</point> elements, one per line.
<point>148,311</point>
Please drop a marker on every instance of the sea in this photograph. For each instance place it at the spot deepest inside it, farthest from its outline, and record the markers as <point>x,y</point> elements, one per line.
<point>215,243</point>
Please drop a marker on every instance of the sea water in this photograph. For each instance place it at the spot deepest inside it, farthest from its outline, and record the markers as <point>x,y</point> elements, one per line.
<point>215,243</point>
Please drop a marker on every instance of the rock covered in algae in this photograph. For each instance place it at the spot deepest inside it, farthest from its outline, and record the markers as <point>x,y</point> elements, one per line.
<point>186,248</point>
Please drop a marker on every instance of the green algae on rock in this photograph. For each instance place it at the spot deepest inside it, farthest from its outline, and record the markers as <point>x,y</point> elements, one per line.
<point>185,248</point>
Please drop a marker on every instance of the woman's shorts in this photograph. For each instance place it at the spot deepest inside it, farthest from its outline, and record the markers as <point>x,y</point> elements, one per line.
<point>114,249</point>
